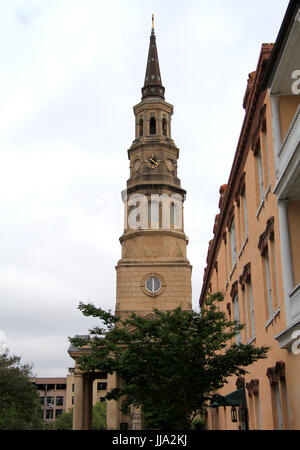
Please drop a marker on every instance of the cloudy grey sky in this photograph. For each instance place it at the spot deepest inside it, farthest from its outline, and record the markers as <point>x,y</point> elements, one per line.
<point>71,71</point>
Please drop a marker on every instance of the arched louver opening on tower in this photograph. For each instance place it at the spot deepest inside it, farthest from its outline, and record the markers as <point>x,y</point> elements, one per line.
<point>141,127</point>
<point>152,125</point>
<point>164,127</point>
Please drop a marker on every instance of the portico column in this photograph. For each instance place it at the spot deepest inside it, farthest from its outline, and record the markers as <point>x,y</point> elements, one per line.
<point>286,256</point>
<point>78,409</point>
<point>88,402</point>
<point>113,413</point>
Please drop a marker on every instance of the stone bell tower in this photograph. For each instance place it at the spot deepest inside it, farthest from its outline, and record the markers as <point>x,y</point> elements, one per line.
<point>154,271</point>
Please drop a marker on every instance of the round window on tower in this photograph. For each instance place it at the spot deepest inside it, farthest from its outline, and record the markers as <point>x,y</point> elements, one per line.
<point>153,284</point>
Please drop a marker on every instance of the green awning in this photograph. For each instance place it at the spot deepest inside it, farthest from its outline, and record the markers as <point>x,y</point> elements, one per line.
<point>235,398</point>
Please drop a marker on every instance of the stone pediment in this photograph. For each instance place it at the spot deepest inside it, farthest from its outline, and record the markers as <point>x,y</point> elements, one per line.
<point>131,328</point>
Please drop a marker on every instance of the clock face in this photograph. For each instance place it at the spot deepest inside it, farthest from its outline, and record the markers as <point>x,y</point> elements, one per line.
<point>152,161</point>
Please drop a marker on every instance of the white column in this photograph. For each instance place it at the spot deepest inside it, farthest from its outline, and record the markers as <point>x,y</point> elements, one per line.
<point>113,412</point>
<point>79,407</point>
<point>286,256</point>
<point>276,129</point>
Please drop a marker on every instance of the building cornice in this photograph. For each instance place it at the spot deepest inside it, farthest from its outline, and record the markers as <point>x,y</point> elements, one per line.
<point>282,36</point>
<point>178,234</point>
<point>254,106</point>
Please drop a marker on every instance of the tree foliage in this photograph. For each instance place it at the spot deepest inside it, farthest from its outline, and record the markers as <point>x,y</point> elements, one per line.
<point>19,402</point>
<point>99,416</point>
<point>170,363</point>
<point>64,421</point>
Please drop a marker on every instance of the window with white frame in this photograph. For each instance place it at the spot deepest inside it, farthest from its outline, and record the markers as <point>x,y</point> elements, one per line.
<point>236,314</point>
<point>260,175</point>
<point>278,405</point>
<point>273,257</point>
<point>268,283</point>
<point>245,281</point>
<point>232,243</point>
<point>265,151</point>
<point>266,245</point>
<point>251,309</point>
<point>244,202</point>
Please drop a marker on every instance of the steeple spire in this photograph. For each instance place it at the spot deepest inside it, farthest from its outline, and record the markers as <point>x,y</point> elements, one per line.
<point>153,86</point>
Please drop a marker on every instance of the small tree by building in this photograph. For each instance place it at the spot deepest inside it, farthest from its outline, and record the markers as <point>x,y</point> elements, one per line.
<point>170,363</point>
<point>20,407</point>
<point>64,421</point>
<point>99,416</point>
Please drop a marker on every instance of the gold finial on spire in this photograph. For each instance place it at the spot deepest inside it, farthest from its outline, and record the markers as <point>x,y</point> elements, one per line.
<point>152,21</point>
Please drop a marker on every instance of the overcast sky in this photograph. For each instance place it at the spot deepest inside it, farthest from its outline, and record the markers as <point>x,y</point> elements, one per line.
<point>71,71</point>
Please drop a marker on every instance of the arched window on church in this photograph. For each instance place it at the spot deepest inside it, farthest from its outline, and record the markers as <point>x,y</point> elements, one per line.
<point>141,127</point>
<point>152,125</point>
<point>172,214</point>
<point>164,127</point>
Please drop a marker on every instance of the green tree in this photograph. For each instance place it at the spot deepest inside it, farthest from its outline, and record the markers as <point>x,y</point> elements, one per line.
<point>20,407</point>
<point>99,416</point>
<point>64,421</point>
<point>170,363</point>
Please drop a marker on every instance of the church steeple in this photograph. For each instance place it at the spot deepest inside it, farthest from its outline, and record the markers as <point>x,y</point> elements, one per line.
<point>153,86</point>
<point>154,271</point>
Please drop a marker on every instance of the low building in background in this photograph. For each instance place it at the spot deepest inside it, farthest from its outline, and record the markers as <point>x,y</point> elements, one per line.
<point>57,394</point>
<point>52,393</point>
<point>254,256</point>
